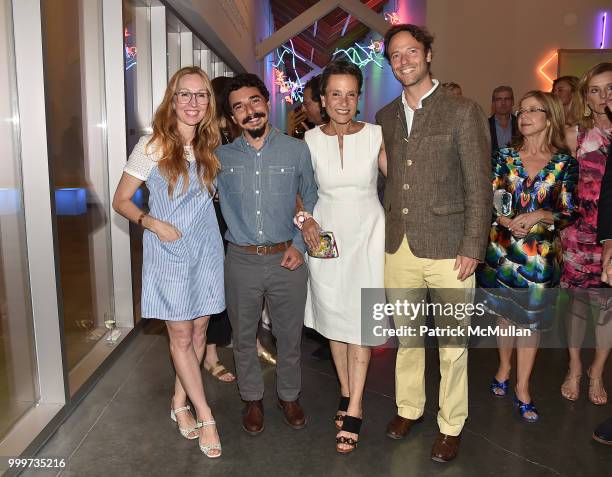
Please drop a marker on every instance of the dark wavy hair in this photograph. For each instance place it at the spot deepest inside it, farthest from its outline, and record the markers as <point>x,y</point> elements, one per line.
<point>314,85</point>
<point>226,125</point>
<point>341,67</point>
<point>420,34</point>
<point>243,80</point>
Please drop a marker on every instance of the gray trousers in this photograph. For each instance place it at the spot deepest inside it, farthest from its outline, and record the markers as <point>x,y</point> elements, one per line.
<point>250,278</point>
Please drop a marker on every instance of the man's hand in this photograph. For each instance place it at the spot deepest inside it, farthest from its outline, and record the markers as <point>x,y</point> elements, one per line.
<point>466,267</point>
<point>606,263</point>
<point>292,259</point>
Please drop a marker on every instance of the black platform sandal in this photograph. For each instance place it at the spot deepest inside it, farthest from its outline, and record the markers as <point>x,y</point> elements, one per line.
<point>349,424</point>
<point>342,407</point>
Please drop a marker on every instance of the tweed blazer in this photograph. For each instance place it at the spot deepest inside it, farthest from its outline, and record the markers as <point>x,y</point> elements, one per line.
<point>438,190</point>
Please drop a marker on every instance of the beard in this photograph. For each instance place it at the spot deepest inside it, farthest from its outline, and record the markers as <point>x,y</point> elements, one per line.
<point>256,133</point>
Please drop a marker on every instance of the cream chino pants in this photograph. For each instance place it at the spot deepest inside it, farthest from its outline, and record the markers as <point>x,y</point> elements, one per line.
<point>408,277</point>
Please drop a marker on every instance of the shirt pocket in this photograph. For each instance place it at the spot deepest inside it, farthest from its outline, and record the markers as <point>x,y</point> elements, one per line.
<point>234,179</point>
<point>281,179</point>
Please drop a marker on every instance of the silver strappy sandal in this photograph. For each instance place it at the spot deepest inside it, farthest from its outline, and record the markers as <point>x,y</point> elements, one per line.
<point>185,431</point>
<point>209,447</point>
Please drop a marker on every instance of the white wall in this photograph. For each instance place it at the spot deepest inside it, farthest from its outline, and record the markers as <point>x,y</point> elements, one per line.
<point>229,27</point>
<point>481,44</point>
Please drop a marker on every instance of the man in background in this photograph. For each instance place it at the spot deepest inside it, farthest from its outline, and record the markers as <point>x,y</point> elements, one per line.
<point>503,124</point>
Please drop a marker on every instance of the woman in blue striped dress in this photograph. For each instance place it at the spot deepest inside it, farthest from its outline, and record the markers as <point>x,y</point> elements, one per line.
<point>182,273</point>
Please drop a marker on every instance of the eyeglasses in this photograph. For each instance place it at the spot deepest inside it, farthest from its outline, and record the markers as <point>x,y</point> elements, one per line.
<point>529,111</point>
<point>184,97</point>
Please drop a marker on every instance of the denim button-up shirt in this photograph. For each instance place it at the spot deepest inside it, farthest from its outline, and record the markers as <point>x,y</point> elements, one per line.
<point>258,189</point>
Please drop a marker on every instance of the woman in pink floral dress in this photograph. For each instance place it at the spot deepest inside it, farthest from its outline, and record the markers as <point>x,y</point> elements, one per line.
<point>582,253</point>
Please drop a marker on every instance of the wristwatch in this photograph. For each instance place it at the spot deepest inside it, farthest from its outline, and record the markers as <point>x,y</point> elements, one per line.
<point>300,218</point>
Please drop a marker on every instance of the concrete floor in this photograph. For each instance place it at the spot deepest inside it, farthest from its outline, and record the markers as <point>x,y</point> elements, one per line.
<point>122,428</point>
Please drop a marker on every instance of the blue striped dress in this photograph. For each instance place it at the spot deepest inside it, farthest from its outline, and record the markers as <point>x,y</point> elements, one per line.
<point>183,279</point>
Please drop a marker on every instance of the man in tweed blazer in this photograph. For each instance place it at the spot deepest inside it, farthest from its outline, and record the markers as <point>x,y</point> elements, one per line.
<point>438,204</point>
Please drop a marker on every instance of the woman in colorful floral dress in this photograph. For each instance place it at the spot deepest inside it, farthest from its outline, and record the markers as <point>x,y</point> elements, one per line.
<point>524,249</point>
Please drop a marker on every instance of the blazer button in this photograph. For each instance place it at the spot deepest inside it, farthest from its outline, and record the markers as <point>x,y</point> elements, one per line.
<point>406,186</point>
<point>405,211</point>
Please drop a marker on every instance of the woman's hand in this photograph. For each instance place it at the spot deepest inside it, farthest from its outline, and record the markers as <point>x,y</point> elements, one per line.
<point>165,232</point>
<point>310,232</point>
<point>522,223</point>
<point>503,221</point>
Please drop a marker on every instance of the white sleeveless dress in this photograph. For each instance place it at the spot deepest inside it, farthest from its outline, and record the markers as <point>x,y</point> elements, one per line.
<point>349,207</point>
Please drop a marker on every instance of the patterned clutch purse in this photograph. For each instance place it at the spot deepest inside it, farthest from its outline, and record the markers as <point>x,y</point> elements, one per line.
<point>327,246</point>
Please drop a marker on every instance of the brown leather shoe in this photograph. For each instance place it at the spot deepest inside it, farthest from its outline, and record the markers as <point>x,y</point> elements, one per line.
<point>252,417</point>
<point>445,448</point>
<point>294,414</point>
<point>399,427</point>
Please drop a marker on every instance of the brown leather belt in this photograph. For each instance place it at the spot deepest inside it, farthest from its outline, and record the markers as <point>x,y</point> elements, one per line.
<point>265,249</point>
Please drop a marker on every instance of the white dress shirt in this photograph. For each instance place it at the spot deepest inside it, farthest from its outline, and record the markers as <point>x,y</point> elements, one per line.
<point>409,112</point>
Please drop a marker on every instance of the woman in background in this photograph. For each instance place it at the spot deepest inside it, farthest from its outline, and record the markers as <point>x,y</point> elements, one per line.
<point>219,330</point>
<point>589,142</point>
<point>564,88</point>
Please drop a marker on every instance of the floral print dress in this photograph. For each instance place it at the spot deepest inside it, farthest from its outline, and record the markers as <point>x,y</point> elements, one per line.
<point>532,262</point>
<point>581,251</point>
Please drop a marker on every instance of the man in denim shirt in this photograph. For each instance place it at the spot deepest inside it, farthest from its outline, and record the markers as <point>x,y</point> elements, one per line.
<point>262,172</point>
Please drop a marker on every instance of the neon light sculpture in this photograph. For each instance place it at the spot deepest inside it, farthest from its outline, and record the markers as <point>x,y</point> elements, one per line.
<point>543,65</point>
<point>292,88</point>
<point>361,56</point>
<point>393,18</point>
<point>603,30</point>
<point>129,51</point>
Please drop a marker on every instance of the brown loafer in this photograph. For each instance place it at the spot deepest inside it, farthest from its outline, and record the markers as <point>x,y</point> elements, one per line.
<point>399,427</point>
<point>445,448</point>
<point>293,413</point>
<point>252,417</point>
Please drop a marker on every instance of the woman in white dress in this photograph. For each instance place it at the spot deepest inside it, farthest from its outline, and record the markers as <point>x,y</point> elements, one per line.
<point>346,156</point>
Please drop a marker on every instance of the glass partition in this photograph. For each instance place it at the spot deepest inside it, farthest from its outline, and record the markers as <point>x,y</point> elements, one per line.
<point>76,134</point>
<point>18,377</point>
